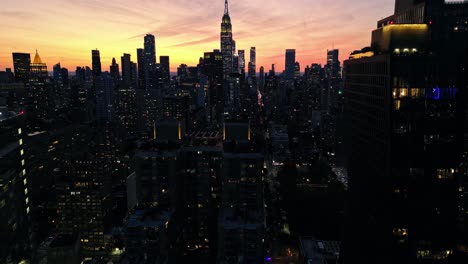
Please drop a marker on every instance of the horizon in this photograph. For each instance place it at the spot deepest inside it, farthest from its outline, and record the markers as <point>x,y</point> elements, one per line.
<point>314,28</point>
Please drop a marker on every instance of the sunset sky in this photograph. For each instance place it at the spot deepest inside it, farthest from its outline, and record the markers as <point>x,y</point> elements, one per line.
<point>66,31</point>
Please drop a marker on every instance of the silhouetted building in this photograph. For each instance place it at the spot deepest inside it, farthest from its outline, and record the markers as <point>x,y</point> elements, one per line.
<point>14,197</point>
<point>96,63</point>
<point>126,69</point>
<point>405,142</point>
<point>165,69</point>
<point>105,97</point>
<point>290,64</point>
<point>21,65</point>
<point>114,71</point>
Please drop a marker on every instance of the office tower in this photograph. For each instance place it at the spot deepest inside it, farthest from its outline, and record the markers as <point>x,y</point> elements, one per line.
<point>297,70</point>
<point>105,97</point>
<point>134,74</point>
<point>235,64</point>
<point>14,197</point>
<point>202,160</point>
<point>21,65</point>
<point>165,69</point>
<point>176,107</point>
<point>156,178</point>
<point>404,114</point>
<point>150,64</point>
<point>82,186</point>
<point>261,79</point>
<point>241,54</point>
<point>126,69</point>
<point>253,63</point>
<point>39,89</point>
<point>58,81</point>
<point>333,64</point>
<point>290,64</point>
<point>150,49</point>
<point>114,71</point>
<point>65,77</point>
<point>272,71</point>
<point>126,109</point>
<point>96,63</point>
<point>213,69</point>
<point>38,70</point>
<point>241,232</point>
<point>226,42</point>
<point>141,68</point>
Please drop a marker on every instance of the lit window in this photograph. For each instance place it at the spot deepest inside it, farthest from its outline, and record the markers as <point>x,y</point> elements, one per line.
<point>396,105</point>
<point>23,162</point>
<point>21,141</point>
<point>19,131</point>
<point>22,152</point>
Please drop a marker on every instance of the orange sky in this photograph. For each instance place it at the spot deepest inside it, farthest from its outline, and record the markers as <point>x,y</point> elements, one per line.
<point>66,31</point>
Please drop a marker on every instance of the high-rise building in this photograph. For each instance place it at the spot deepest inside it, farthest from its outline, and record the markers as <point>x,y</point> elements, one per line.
<point>405,121</point>
<point>165,69</point>
<point>261,79</point>
<point>226,42</point>
<point>290,64</point>
<point>15,194</point>
<point>126,69</point>
<point>252,74</point>
<point>150,63</point>
<point>96,63</point>
<point>241,54</point>
<point>21,65</point>
<point>105,97</point>
<point>58,81</point>
<point>141,68</point>
<point>253,63</point>
<point>39,89</point>
<point>333,64</point>
<point>114,71</point>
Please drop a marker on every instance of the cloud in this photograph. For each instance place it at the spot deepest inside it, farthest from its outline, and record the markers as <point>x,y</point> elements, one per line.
<point>196,42</point>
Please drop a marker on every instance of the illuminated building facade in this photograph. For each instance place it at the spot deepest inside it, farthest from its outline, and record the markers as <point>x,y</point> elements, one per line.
<point>405,116</point>
<point>226,42</point>
<point>39,89</point>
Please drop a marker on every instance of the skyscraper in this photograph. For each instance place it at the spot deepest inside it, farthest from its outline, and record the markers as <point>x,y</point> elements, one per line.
<point>39,90</point>
<point>405,115</point>
<point>105,97</point>
<point>165,69</point>
<point>114,71</point>
<point>96,61</point>
<point>126,69</point>
<point>14,197</point>
<point>333,64</point>
<point>253,63</point>
<point>150,63</point>
<point>290,64</point>
<point>241,54</point>
<point>141,68</point>
<point>21,64</point>
<point>226,42</point>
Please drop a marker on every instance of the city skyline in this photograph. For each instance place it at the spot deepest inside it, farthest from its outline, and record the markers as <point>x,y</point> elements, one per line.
<point>310,27</point>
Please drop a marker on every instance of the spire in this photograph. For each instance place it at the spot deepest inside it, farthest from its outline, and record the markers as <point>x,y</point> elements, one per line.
<point>226,7</point>
<point>37,59</point>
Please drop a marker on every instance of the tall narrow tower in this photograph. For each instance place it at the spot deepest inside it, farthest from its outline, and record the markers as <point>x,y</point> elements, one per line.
<point>226,42</point>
